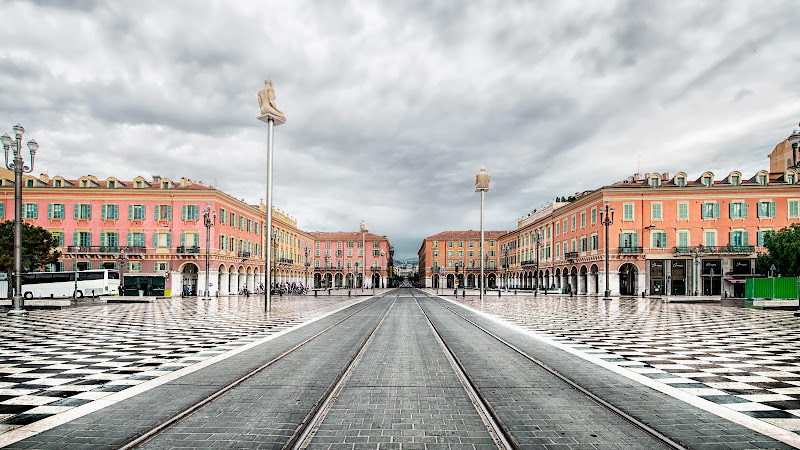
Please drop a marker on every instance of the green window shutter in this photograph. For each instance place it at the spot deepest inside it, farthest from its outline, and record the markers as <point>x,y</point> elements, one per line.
<point>74,266</point>
<point>772,209</point>
<point>730,238</point>
<point>89,265</point>
<point>745,238</point>
<point>2,210</point>
<point>635,237</point>
<point>730,210</point>
<point>77,211</point>
<point>75,239</point>
<point>183,212</point>
<point>89,238</point>
<point>144,212</point>
<point>130,238</point>
<point>663,240</point>
<point>50,211</point>
<point>156,212</point>
<point>716,210</point>
<point>130,212</point>
<point>744,209</point>
<point>155,240</point>
<point>169,212</point>
<point>114,211</point>
<point>89,211</point>
<point>102,238</point>
<point>183,239</point>
<point>103,212</point>
<point>169,240</point>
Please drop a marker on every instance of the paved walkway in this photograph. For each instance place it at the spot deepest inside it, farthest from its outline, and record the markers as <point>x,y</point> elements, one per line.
<point>52,361</point>
<point>745,360</point>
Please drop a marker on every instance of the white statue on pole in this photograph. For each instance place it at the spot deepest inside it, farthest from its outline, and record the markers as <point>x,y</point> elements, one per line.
<point>266,101</point>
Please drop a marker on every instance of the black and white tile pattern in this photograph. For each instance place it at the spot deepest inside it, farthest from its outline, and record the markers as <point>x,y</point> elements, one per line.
<point>744,359</point>
<point>52,361</point>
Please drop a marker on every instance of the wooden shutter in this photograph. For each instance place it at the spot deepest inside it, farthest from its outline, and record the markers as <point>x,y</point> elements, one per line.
<point>103,239</point>
<point>75,239</point>
<point>50,211</point>
<point>772,209</point>
<point>130,212</point>
<point>158,217</point>
<point>77,211</point>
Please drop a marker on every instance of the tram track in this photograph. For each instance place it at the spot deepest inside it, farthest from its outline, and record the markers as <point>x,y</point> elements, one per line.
<point>300,431</point>
<point>650,431</point>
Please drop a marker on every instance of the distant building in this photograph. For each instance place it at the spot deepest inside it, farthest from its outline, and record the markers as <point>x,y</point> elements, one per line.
<point>676,235</point>
<point>347,259</point>
<point>457,254</point>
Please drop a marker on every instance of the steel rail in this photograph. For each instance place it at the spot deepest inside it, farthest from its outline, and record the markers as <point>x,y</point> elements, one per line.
<point>599,400</point>
<point>176,418</point>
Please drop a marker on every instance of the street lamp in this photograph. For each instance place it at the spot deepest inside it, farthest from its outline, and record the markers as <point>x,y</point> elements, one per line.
<point>482,180</point>
<point>355,277</point>
<point>609,218</point>
<point>307,264</point>
<point>208,222</point>
<point>326,272</point>
<point>504,248</point>
<point>536,277</point>
<point>19,167</point>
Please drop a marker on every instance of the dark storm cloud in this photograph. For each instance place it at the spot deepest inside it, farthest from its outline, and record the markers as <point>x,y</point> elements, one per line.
<point>394,106</point>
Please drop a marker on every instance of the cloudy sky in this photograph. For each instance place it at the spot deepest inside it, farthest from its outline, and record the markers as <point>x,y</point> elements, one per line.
<point>394,106</point>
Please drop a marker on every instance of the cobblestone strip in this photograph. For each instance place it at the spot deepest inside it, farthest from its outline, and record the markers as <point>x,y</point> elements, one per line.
<point>119,423</point>
<point>403,394</point>
<point>682,422</point>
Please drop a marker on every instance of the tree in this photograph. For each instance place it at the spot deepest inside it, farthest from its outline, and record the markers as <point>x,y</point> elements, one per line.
<point>784,252</point>
<point>38,248</point>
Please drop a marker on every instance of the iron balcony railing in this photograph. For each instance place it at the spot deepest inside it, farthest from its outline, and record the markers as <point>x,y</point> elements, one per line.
<point>716,249</point>
<point>530,262</point>
<point>570,255</point>
<point>105,249</point>
<point>630,250</point>
<point>185,249</point>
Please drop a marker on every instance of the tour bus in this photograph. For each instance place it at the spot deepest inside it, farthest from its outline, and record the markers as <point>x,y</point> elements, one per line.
<point>90,283</point>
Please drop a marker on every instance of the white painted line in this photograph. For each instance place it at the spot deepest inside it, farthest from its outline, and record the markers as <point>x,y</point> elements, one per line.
<point>37,427</point>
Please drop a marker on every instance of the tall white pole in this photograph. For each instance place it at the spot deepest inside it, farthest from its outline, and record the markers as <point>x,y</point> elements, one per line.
<point>267,250</point>
<point>483,281</point>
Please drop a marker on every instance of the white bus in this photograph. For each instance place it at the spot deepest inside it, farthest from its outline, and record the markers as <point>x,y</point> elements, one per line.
<point>90,283</point>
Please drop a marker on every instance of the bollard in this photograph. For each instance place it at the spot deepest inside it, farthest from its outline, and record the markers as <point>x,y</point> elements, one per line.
<point>315,292</point>
<point>329,292</point>
<point>570,294</point>
<point>348,292</point>
<point>498,293</point>
<point>535,294</point>
<point>455,292</point>
<point>463,293</point>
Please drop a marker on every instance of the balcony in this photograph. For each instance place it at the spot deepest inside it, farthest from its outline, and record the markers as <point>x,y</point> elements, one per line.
<point>714,249</point>
<point>571,255</point>
<point>243,254</point>
<point>105,249</point>
<point>184,249</point>
<point>285,261</point>
<point>629,250</point>
<point>531,262</point>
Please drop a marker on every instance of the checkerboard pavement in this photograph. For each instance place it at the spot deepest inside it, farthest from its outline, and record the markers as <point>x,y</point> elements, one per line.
<point>55,360</point>
<point>744,359</point>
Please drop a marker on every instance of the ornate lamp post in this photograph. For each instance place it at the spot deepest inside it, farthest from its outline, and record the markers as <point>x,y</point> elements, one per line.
<point>19,167</point>
<point>325,284</point>
<point>794,139</point>
<point>274,259</point>
<point>536,276</point>
<point>307,264</point>
<point>504,248</point>
<point>609,218</point>
<point>482,180</point>
<point>208,222</point>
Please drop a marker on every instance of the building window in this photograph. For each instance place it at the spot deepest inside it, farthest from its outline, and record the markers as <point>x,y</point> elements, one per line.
<point>735,180</point>
<point>766,209</point>
<point>82,239</point>
<point>30,210</point>
<point>762,234</point>
<point>762,180</point>
<point>136,239</point>
<point>109,212</point>
<point>739,238</point>
<point>450,253</point>
<point>653,181</point>
<point>136,212</point>
<point>163,212</point>
<point>655,211</point>
<point>738,210</point>
<point>582,244</point>
<point>191,212</point>
<point>435,253</point>
<point>162,240</point>
<point>55,211</point>
<point>162,267</point>
<point>710,238</point>
<point>659,239</point>
<point>707,181</point>
<point>683,211</point>
<point>450,244</point>
<point>461,253</point>
<point>629,240</point>
<point>793,209</point>
<point>583,220</point>
<point>710,210</point>
<point>683,239</point>
<point>680,181</point>
<point>138,185</point>
<point>57,183</point>
<point>134,266</point>
<point>83,211</point>
<point>557,228</point>
<point>627,211</point>
<point>593,216</point>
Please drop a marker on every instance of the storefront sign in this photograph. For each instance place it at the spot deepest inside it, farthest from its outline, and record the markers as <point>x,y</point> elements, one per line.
<point>712,264</point>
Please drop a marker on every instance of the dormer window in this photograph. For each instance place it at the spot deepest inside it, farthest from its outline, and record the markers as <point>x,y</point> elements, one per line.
<point>57,183</point>
<point>30,183</point>
<point>654,181</point>
<point>165,185</point>
<point>735,180</point>
<point>112,183</point>
<point>762,180</point>
<point>138,185</point>
<point>707,181</point>
<point>791,178</point>
<point>680,181</point>
<point>84,183</point>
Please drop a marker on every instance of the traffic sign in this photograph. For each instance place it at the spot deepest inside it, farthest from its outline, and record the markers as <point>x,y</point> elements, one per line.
<point>441,271</point>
